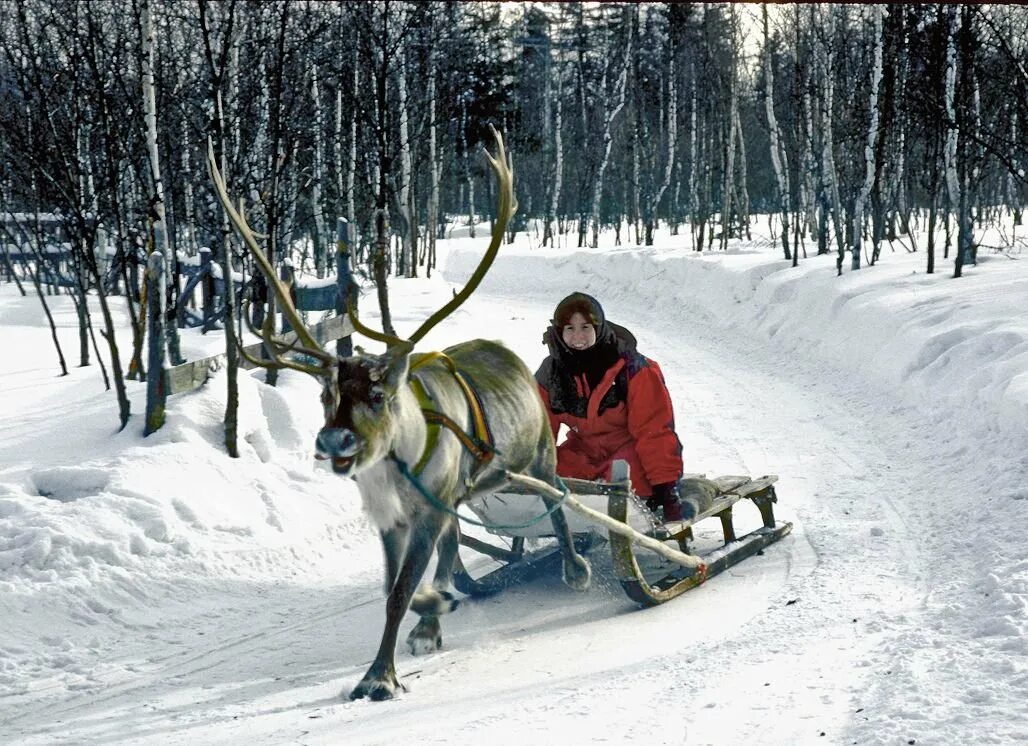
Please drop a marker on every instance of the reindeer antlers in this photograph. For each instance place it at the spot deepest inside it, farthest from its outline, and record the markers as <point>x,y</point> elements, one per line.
<point>308,344</point>
<point>506,206</point>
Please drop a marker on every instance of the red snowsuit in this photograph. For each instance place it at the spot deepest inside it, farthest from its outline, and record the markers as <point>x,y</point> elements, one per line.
<point>638,429</point>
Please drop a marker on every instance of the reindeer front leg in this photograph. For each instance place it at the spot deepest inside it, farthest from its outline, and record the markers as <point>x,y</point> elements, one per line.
<point>394,543</point>
<point>380,681</point>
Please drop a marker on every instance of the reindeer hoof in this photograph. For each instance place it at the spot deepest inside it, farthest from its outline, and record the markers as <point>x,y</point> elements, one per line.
<point>377,690</point>
<point>426,637</point>
<point>577,573</point>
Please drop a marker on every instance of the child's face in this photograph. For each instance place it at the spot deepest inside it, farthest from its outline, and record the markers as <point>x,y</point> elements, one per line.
<point>579,333</point>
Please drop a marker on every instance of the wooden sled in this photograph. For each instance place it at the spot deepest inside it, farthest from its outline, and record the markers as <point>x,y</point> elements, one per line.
<point>648,568</point>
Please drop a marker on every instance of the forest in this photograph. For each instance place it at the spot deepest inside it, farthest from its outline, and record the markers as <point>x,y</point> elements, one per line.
<point>849,127</point>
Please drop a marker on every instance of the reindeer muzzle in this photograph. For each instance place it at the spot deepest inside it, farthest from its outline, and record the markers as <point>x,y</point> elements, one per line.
<point>338,445</point>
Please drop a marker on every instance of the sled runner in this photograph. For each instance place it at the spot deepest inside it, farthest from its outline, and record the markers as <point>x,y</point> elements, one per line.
<point>654,561</point>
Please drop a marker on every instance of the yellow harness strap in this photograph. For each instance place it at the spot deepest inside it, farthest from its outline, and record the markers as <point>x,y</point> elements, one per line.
<point>481,444</point>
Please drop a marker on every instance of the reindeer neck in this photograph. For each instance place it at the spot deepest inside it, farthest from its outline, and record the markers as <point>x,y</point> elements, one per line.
<point>410,428</point>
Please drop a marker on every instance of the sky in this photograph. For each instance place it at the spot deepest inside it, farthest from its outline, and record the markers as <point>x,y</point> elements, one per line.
<point>155,591</point>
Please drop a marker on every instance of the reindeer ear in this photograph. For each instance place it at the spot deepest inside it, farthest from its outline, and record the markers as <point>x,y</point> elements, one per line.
<point>396,367</point>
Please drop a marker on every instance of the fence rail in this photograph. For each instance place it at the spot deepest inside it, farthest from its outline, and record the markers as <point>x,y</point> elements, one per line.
<point>193,374</point>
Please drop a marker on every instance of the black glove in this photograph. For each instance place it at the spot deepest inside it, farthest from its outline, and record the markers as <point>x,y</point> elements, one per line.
<point>667,497</point>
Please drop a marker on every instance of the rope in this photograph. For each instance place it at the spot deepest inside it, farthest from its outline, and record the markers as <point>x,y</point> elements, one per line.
<point>436,503</point>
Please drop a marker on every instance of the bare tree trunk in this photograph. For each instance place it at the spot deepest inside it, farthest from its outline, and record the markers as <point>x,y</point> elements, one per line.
<point>779,158</point>
<point>351,170</point>
<point>691,189</point>
<point>433,163</point>
<point>407,247</point>
<point>558,162</point>
<point>608,138</point>
<point>157,217</point>
<point>468,181</point>
<point>830,182</point>
<point>949,102</point>
<point>321,240</point>
<point>728,158</point>
<point>869,147</point>
<point>968,89</point>
<point>217,64</point>
<point>672,139</point>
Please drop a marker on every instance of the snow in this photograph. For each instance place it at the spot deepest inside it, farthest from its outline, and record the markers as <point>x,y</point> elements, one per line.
<point>153,590</point>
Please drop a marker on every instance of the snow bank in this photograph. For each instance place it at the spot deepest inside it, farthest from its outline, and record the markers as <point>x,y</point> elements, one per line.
<point>956,346</point>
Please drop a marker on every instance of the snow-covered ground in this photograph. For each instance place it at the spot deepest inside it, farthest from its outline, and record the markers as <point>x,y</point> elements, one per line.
<point>153,590</point>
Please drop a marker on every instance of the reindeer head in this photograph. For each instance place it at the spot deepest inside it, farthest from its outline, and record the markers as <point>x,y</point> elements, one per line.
<point>361,394</point>
<point>362,414</point>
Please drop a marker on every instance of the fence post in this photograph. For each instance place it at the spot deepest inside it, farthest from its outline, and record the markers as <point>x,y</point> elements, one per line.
<point>344,283</point>
<point>287,274</point>
<point>156,394</point>
<point>132,257</point>
<point>100,251</point>
<point>206,288</point>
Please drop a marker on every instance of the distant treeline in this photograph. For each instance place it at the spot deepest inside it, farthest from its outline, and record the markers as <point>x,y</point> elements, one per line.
<point>841,118</point>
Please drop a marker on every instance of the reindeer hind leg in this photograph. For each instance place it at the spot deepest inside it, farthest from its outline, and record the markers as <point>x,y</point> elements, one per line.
<point>431,603</point>
<point>577,570</point>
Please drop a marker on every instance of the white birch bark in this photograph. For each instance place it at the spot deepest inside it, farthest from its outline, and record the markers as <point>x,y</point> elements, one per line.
<point>621,89</point>
<point>407,236</point>
<point>189,229</point>
<point>433,164</point>
<point>694,197</point>
<point>779,158</point>
<point>742,192</point>
<point>830,181</point>
<point>351,170</point>
<point>320,236</point>
<point>949,95</point>
<point>672,141</point>
<point>160,227</point>
<point>869,147</point>
<point>808,187</point>
<point>469,182</point>
<point>337,150</point>
<point>558,162</point>
<point>728,184</point>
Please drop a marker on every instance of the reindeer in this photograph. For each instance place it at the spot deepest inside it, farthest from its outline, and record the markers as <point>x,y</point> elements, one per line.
<point>398,424</point>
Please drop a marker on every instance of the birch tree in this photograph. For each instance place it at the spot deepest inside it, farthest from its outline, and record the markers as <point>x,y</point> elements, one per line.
<point>321,239</point>
<point>869,147</point>
<point>779,158</point>
<point>610,115</point>
<point>158,222</point>
<point>671,135</point>
<point>217,59</point>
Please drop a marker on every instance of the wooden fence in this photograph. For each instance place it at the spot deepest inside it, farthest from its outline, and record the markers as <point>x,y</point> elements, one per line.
<point>164,382</point>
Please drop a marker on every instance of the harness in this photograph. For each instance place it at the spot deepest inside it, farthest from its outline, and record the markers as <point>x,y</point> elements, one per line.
<point>479,443</point>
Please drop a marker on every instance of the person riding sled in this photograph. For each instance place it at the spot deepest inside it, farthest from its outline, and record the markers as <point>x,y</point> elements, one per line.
<point>614,402</point>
